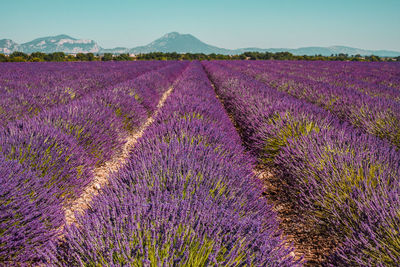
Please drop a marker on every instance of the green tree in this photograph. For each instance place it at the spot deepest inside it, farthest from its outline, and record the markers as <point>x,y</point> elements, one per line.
<point>90,57</point>
<point>107,57</point>
<point>70,58</point>
<point>3,58</point>
<point>56,56</point>
<point>121,57</point>
<point>17,59</point>
<point>39,55</point>
<point>35,59</point>
<point>19,55</point>
<point>81,57</point>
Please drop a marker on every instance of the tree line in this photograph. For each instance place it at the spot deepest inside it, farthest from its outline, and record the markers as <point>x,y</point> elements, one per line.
<point>61,56</point>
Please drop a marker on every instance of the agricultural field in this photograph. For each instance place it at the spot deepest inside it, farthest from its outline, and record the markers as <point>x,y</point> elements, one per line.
<point>212,163</point>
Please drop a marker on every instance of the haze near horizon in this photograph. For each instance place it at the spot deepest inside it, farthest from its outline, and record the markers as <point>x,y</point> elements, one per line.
<point>229,24</point>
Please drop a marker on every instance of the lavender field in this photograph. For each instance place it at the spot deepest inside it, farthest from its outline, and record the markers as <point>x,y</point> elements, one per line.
<point>212,163</point>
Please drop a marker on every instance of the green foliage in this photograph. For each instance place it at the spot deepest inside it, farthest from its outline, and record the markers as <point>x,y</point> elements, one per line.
<point>3,58</point>
<point>107,57</point>
<point>60,56</point>
<point>195,250</point>
<point>346,177</point>
<point>56,56</point>
<point>35,59</point>
<point>90,57</point>
<point>17,54</point>
<point>16,59</point>
<point>123,57</point>
<point>81,57</point>
<point>285,127</point>
<point>39,55</point>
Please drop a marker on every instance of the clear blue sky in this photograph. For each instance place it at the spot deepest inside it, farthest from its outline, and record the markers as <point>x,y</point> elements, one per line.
<point>370,24</point>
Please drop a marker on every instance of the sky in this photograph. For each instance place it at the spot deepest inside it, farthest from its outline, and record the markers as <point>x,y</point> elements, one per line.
<point>368,24</point>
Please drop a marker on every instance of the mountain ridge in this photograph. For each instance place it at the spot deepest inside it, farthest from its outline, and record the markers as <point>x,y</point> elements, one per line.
<point>170,42</point>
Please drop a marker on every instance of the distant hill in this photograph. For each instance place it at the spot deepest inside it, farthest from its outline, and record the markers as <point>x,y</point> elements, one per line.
<point>50,44</point>
<point>7,46</point>
<point>180,43</point>
<point>327,51</point>
<point>171,42</point>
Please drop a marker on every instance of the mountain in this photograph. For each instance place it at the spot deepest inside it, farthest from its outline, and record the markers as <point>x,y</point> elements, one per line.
<point>7,46</point>
<point>171,42</point>
<point>60,43</point>
<point>50,44</point>
<point>327,51</point>
<point>187,43</point>
<point>116,50</point>
<point>180,43</point>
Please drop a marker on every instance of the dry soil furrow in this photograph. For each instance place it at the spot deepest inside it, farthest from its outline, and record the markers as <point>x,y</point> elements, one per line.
<point>102,173</point>
<point>308,243</point>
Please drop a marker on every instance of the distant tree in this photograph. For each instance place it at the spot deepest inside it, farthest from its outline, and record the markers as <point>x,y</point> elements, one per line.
<point>17,59</point>
<point>121,57</point>
<point>90,57</point>
<point>81,57</point>
<point>107,57</point>
<point>35,59</point>
<point>19,55</point>
<point>70,58</point>
<point>3,58</point>
<point>56,56</point>
<point>39,55</point>
<point>373,58</point>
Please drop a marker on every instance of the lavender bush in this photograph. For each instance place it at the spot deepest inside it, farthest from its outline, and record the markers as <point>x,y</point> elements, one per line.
<point>344,179</point>
<point>372,108</point>
<point>29,88</point>
<point>46,161</point>
<point>30,213</point>
<point>186,197</point>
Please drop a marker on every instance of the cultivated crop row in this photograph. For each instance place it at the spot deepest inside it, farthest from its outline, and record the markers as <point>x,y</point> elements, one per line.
<point>187,196</point>
<point>379,116</point>
<point>27,89</point>
<point>344,181</point>
<point>47,160</point>
<point>375,80</point>
<point>379,75</point>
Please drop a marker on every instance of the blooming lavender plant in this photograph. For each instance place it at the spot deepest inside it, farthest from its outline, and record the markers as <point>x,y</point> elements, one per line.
<point>186,197</point>
<point>46,161</point>
<point>343,178</point>
<point>27,89</point>
<point>30,213</point>
<point>49,153</point>
<point>373,109</point>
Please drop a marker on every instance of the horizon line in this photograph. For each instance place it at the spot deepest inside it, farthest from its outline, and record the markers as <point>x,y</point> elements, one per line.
<point>255,47</point>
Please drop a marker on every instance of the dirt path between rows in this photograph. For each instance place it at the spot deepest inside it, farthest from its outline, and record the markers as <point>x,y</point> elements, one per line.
<point>308,243</point>
<point>102,173</point>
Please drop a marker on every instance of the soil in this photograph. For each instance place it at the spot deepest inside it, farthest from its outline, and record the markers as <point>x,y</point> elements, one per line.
<point>311,244</point>
<point>102,173</point>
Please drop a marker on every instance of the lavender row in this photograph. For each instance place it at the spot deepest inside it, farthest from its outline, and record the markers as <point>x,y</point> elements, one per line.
<point>187,197</point>
<point>380,74</point>
<point>48,160</point>
<point>336,74</point>
<point>25,90</point>
<point>376,116</point>
<point>29,76</point>
<point>343,180</point>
